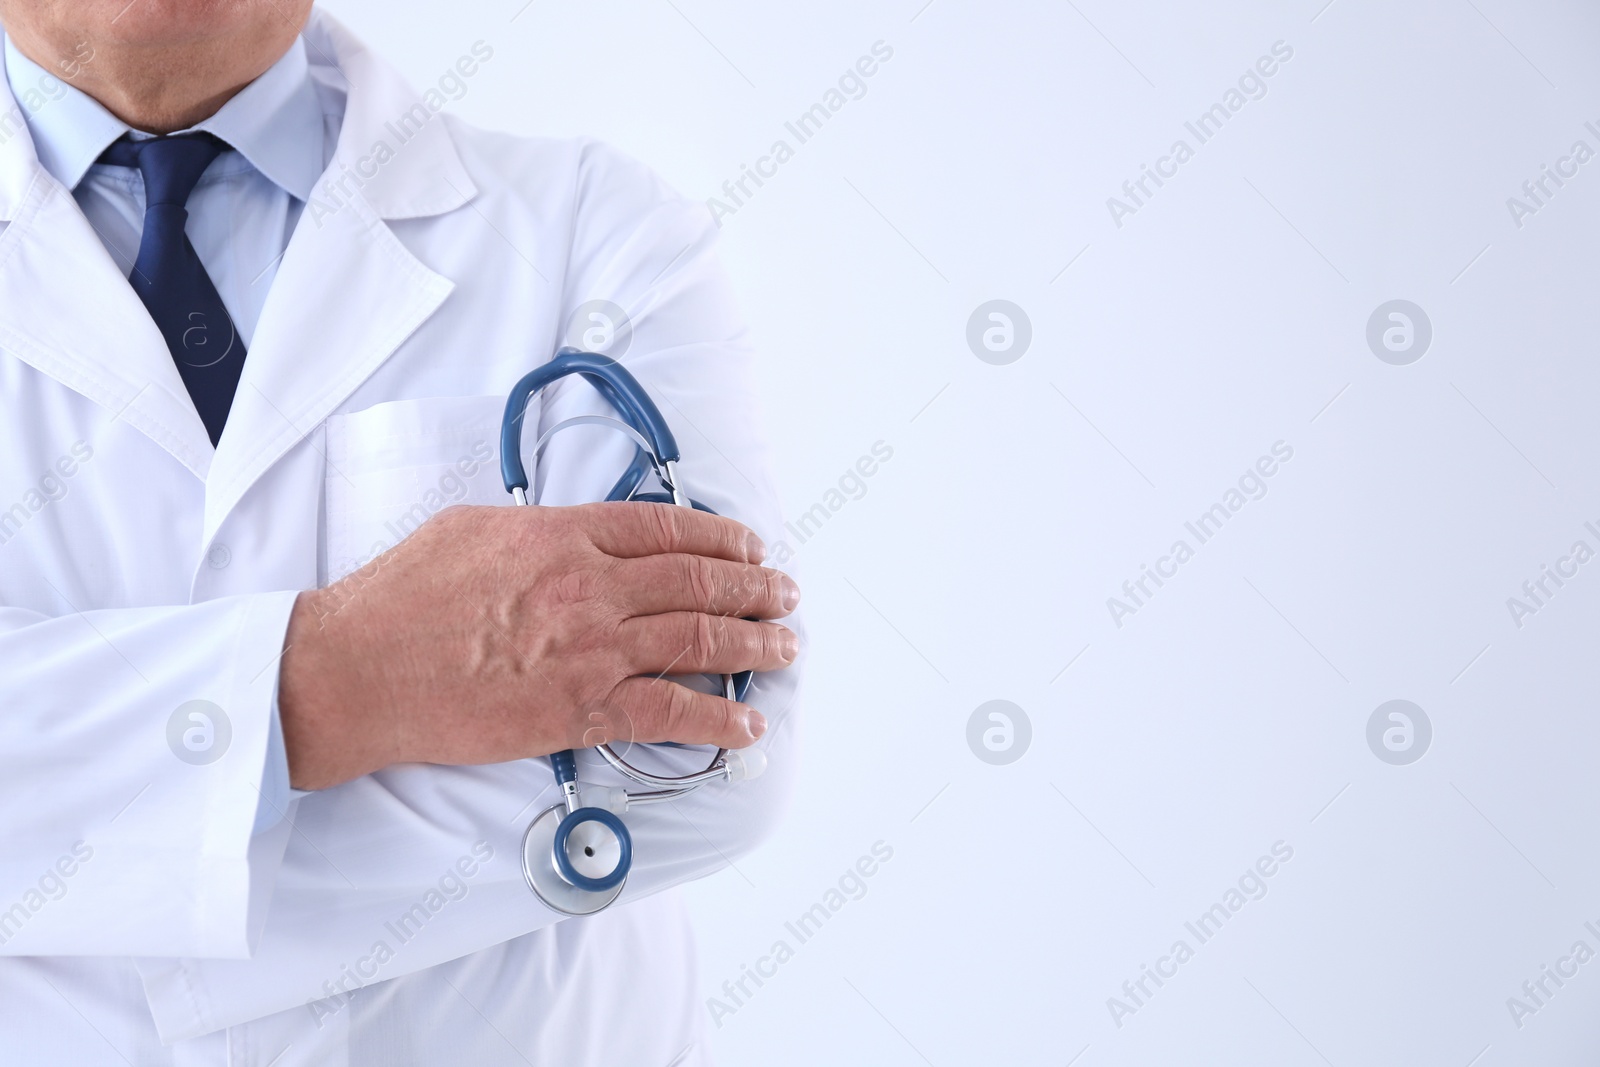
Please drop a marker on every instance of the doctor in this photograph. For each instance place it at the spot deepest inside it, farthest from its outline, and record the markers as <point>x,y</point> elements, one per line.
<point>269,699</point>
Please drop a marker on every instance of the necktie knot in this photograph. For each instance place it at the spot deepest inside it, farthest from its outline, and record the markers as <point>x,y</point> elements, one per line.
<point>171,165</point>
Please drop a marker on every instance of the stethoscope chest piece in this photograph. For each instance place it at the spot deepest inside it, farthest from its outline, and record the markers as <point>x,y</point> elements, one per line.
<point>576,861</point>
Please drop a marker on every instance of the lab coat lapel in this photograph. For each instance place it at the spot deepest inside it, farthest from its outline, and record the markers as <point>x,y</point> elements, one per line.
<point>348,293</point>
<point>68,312</point>
<point>346,296</point>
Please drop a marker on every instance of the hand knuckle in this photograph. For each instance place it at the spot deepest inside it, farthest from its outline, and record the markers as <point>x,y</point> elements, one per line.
<point>705,638</point>
<point>733,536</point>
<point>679,709</point>
<point>701,580</point>
<point>623,701</point>
<point>725,717</point>
<point>765,589</point>
<point>608,722</point>
<point>457,520</point>
<point>740,587</point>
<point>573,588</point>
<point>524,528</point>
<point>766,644</point>
<point>663,525</point>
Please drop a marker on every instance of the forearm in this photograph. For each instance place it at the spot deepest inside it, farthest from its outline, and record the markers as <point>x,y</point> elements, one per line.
<point>369,852</point>
<point>320,684</point>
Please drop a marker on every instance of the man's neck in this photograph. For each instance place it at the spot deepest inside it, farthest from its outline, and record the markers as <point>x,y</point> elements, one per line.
<point>154,88</point>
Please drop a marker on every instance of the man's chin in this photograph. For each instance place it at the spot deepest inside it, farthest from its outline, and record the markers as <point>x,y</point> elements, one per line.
<point>179,23</point>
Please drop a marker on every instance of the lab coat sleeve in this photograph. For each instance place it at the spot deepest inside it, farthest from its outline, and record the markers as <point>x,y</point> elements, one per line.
<point>132,749</point>
<point>276,792</point>
<point>415,866</point>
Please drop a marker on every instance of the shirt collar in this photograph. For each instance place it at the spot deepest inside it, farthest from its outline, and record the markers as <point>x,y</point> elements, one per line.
<point>275,122</point>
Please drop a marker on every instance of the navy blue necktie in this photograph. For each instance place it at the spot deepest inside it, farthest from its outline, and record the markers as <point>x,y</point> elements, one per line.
<point>171,280</point>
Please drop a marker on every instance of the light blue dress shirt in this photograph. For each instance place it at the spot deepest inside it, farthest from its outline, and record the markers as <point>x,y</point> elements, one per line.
<point>283,128</point>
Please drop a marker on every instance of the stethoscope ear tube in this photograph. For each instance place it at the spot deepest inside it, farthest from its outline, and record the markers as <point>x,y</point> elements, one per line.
<point>620,389</point>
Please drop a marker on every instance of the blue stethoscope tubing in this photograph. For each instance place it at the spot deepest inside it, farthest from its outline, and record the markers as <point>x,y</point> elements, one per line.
<point>576,856</point>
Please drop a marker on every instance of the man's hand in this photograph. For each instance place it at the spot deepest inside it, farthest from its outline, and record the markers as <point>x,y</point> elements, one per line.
<point>498,633</point>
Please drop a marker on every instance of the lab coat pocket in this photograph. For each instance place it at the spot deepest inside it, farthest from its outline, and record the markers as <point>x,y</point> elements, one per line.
<point>393,466</point>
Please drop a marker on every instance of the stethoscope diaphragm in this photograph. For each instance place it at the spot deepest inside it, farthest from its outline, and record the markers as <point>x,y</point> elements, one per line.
<point>594,846</point>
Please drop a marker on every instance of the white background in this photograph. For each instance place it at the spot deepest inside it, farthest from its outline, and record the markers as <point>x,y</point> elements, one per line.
<point>1228,313</point>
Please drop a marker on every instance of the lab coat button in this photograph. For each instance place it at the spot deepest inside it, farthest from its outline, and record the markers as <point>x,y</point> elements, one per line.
<point>219,556</point>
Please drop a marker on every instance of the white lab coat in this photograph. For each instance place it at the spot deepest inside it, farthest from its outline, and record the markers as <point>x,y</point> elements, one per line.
<point>140,570</point>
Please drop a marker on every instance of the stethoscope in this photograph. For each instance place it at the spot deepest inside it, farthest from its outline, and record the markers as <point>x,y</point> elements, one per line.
<point>577,853</point>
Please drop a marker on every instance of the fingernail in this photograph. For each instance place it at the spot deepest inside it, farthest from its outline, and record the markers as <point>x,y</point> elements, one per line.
<point>789,642</point>
<point>756,724</point>
<point>791,593</point>
<point>755,551</point>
